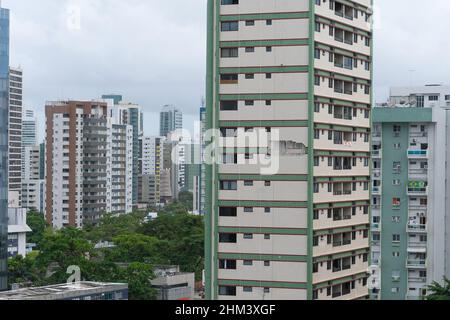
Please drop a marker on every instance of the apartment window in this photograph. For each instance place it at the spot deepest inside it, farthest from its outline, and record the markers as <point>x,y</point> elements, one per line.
<point>269,22</point>
<point>396,182</point>
<point>249,76</point>
<point>250,23</point>
<point>397,146</point>
<point>248,183</point>
<point>268,49</point>
<point>317,26</point>
<point>228,2</point>
<point>396,202</point>
<point>230,26</point>
<point>395,238</point>
<point>268,76</point>
<point>227,212</point>
<point>227,238</point>
<point>248,210</point>
<point>228,78</point>
<point>266,263</point>
<point>317,80</point>
<point>249,49</point>
<point>268,102</point>
<point>248,289</point>
<point>267,183</point>
<point>267,210</point>
<point>447,98</point>
<point>248,262</point>
<point>228,105</point>
<point>229,52</point>
<point>249,103</point>
<point>227,264</point>
<point>228,185</point>
<point>227,291</point>
<point>248,236</point>
<point>317,53</point>
<point>433,98</point>
<point>396,219</point>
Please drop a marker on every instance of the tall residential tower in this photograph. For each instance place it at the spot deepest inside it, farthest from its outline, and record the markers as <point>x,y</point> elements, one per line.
<point>410,205</point>
<point>289,93</point>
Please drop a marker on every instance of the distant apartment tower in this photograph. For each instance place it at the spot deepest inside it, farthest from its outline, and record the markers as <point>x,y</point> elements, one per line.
<point>296,76</point>
<point>171,119</point>
<point>119,168</point>
<point>410,203</point>
<point>15,137</point>
<point>29,128</point>
<point>202,178</point>
<point>4,111</point>
<point>33,183</point>
<point>76,162</point>
<point>150,178</point>
<point>129,114</point>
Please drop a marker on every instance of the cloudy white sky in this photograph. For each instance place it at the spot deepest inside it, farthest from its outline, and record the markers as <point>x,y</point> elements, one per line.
<point>153,52</point>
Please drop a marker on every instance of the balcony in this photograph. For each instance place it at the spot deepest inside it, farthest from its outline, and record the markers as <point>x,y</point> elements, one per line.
<point>417,247</point>
<point>417,279</point>
<point>416,263</point>
<point>417,191</point>
<point>376,190</point>
<point>376,154</point>
<point>417,154</point>
<point>417,228</point>
<point>418,171</point>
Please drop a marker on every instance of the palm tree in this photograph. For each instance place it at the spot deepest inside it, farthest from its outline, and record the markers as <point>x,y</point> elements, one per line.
<point>439,292</point>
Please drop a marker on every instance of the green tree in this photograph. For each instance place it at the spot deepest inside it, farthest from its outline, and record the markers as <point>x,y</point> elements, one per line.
<point>181,240</point>
<point>23,270</point>
<point>111,226</point>
<point>138,276</point>
<point>438,291</point>
<point>36,221</point>
<point>60,249</point>
<point>133,248</point>
<point>186,198</point>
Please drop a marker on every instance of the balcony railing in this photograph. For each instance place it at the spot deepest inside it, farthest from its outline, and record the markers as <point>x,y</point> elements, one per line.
<point>417,228</point>
<point>417,154</point>
<point>417,191</point>
<point>416,263</point>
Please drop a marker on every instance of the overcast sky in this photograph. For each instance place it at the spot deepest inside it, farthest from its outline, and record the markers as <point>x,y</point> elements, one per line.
<point>153,52</point>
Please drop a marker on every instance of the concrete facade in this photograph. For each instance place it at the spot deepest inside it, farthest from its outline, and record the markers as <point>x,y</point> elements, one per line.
<point>295,76</point>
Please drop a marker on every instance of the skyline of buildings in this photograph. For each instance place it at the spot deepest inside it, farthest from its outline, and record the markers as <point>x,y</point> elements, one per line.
<point>350,213</point>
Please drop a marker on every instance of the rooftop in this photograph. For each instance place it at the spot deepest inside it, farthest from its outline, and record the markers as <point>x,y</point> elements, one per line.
<point>62,291</point>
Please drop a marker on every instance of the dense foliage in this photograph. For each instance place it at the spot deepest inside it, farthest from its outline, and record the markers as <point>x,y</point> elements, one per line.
<point>438,291</point>
<point>175,237</point>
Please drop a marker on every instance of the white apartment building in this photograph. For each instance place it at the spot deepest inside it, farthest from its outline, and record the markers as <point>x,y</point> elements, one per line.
<point>410,192</point>
<point>119,194</point>
<point>15,136</point>
<point>17,231</point>
<point>296,74</point>
<point>33,187</point>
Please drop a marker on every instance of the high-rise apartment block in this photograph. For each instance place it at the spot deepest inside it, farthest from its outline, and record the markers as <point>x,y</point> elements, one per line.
<point>15,137</point>
<point>289,92</point>
<point>29,128</point>
<point>151,166</point>
<point>171,119</point>
<point>119,194</point>
<point>4,112</point>
<point>410,220</point>
<point>129,114</point>
<point>76,156</point>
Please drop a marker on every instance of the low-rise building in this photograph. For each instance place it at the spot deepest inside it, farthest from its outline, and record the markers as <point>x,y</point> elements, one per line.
<point>17,232</point>
<point>70,291</point>
<point>171,284</point>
